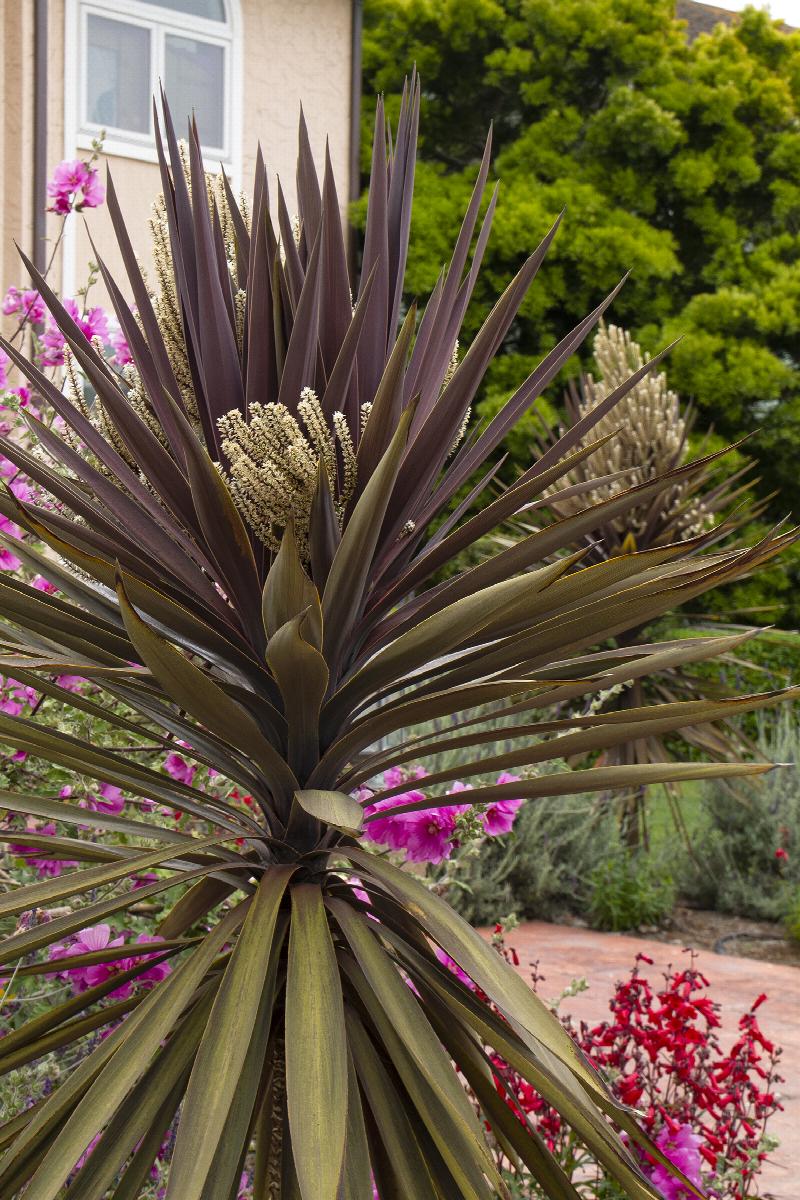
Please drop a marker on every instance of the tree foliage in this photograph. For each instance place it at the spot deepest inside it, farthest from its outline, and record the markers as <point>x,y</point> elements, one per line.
<point>678,161</point>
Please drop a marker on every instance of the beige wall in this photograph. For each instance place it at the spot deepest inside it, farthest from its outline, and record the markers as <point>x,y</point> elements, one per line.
<point>297,52</point>
<point>292,51</point>
<point>16,133</point>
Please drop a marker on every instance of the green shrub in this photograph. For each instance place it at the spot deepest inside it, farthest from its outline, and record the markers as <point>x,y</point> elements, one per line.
<point>793,917</point>
<point>629,890</point>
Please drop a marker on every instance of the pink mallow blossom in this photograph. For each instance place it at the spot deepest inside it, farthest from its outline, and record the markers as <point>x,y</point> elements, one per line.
<point>453,966</point>
<point>500,816</point>
<point>92,323</point>
<point>29,304</point>
<point>75,185</point>
<point>109,799</point>
<point>178,768</point>
<point>389,830</point>
<point>44,585</point>
<point>70,683</point>
<point>23,394</point>
<point>122,352</point>
<point>15,696</point>
<point>35,857</point>
<point>98,937</point>
<point>682,1148</point>
<point>429,834</point>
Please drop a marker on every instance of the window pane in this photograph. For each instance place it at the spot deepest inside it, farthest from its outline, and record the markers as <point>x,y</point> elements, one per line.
<point>195,77</point>
<point>118,75</point>
<point>212,10</point>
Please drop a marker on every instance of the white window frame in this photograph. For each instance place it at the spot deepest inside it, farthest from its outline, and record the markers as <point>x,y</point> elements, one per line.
<point>161,22</point>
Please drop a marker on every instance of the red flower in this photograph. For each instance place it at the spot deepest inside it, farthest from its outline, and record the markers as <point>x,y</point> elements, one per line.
<point>661,1053</point>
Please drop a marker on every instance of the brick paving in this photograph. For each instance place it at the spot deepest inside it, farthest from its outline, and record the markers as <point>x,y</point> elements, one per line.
<point>564,952</point>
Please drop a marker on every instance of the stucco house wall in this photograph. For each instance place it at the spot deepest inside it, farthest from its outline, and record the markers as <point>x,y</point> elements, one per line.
<point>287,52</point>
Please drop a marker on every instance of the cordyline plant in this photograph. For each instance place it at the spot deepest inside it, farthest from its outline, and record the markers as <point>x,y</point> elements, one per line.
<point>241,535</point>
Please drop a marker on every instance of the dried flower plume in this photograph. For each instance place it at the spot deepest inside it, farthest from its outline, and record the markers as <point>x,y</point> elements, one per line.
<point>274,462</point>
<point>649,437</point>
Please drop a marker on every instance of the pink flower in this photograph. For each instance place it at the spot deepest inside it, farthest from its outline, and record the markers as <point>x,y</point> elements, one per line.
<point>29,304</point>
<point>44,585</point>
<point>110,799</point>
<point>52,353</point>
<point>4,361</point>
<point>122,353</point>
<point>94,193</point>
<point>358,891</point>
<point>88,941</point>
<point>9,560</point>
<point>453,966</point>
<point>98,937</point>
<point>430,834</point>
<point>45,867</point>
<point>75,185</point>
<point>23,394</point>
<point>70,683</point>
<point>500,816</point>
<point>140,881</point>
<point>93,323</point>
<point>11,301</point>
<point>9,527</point>
<point>682,1149</point>
<point>153,974</point>
<point>87,1152</point>
<point>397,775</point>
<point>21,488</point>
<point>391,831</point>
<point>32,306</point>
<point>178,768</point>
<point>14,696</point>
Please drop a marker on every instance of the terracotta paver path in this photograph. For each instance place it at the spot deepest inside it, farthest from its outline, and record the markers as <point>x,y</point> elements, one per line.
<point>564,952</point>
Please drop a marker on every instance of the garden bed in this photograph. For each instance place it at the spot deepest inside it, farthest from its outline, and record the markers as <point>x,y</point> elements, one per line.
<point>728,934</point>
<point>722,933</point>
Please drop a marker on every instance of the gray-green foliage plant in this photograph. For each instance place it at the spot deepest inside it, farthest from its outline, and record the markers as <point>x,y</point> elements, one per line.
<point>746,854</point>
<point>244,533</point>
<point>542,869</point>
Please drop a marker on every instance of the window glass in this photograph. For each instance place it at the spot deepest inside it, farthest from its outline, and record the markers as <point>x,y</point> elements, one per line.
<point>212,10</point>
<point>195,79</point>
<point>118,75</point>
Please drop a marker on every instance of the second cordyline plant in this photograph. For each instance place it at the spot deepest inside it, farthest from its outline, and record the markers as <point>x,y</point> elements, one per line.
<point>246,533</point>
<point>644,437</point>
